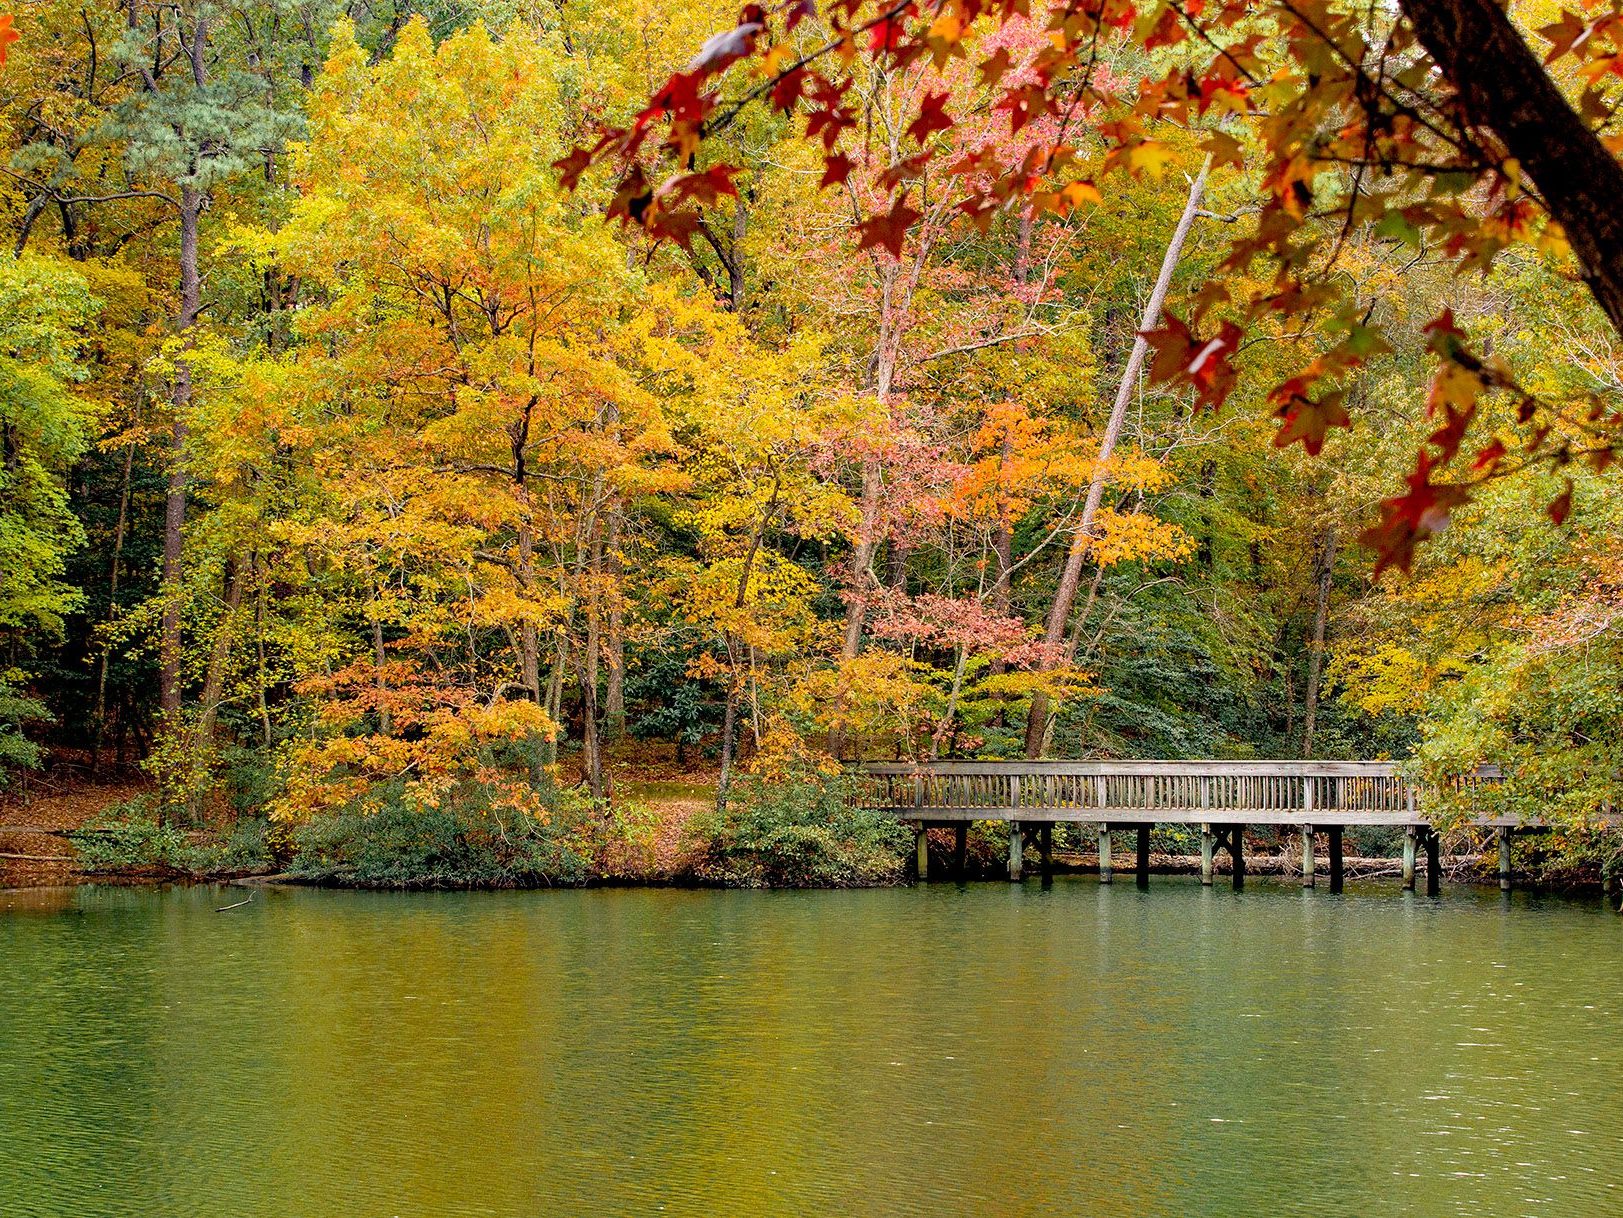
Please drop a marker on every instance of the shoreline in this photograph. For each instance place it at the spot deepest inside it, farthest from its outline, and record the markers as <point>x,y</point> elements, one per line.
<point>1464,870</point>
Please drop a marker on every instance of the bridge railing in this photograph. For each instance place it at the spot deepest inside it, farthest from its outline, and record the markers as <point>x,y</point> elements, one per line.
<point>1134,790</point>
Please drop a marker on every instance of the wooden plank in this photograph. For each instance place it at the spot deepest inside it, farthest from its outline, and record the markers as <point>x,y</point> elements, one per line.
<point>950,814</point>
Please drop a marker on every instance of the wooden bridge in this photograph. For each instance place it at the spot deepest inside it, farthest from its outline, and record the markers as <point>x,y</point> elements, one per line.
<point>1222,797</point>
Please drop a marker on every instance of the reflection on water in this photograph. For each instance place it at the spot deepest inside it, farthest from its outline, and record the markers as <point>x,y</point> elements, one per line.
<point>995,1049</point>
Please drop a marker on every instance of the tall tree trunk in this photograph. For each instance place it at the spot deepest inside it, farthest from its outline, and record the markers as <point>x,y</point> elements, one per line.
<point>200,757</point>
<point>1071,576</point>
<point>614,697</point>
<point>555,695</point>
<point>112,603</point>
<point>174,513</point>
<point>729,720</point>
<point>1315,659</point>
<point>379,657</point>
<point>591,743</point>
<point>1503,85</point>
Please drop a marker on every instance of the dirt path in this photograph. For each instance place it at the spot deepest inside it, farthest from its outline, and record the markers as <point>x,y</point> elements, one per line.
<point>32,851</point>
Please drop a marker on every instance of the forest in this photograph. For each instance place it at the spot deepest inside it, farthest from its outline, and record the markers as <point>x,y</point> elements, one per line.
<point>439,439</point>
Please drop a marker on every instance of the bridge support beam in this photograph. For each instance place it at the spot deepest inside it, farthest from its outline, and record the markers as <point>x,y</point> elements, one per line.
<point>1334,832</point>
<point>1016,851</point>
<point>921,849</point>
<point>1104,854</point>
<point>960,850</point>
<point>1504,860</point>
<point>1307,856</point>
<point>1143,877</point>
<point>1208,847</point>
<point>1434,868</point>
<point>1045,848</point>
<point>1237,853</point>
<point>1409,838</point>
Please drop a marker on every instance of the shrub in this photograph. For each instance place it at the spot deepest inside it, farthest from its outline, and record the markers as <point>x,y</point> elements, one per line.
<point>459,844</point>
<point>799,830</point>
<point>129,838</point>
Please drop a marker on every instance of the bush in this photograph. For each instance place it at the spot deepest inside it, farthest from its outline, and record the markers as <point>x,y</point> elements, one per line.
<point>457,845</point>
<point>129,838</point>
<point>799,831</point>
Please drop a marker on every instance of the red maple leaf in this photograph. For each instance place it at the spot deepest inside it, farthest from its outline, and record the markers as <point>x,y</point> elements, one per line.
<point>1448,437</point>
<point>889,230</point>
<point>678,98</point>
<point>932,117</point>
<point>1308,421</point>
<point>1489,456</point>
<point>828,121</point>
<point>1408,519</point>
<point>993,67</point>
<point>885,38</point>
<point>703,188</point>
<point>836,169</point>
<point>786,94</point>
<point>1561,506</point>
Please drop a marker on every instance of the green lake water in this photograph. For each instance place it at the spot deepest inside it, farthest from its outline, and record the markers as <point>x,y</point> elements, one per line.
<point>985,1050</point>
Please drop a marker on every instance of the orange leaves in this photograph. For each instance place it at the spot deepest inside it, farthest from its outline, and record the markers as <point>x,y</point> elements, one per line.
<point>8,35</point>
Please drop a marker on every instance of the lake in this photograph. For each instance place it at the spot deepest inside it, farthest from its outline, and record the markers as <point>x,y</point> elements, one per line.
<point>992,1049</point>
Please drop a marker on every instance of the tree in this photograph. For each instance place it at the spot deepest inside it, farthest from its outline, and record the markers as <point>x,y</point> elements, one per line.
<point>1353,132</point>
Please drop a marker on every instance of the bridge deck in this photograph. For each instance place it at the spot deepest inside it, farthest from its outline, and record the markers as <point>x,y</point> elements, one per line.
<point>1284,793</point>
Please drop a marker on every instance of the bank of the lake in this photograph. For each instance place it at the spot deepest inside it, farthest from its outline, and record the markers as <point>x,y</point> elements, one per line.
<point>989,1050</point>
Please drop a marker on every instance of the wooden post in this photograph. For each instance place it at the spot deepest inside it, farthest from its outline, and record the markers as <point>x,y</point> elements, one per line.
<point>1307,833</point>
<point>1143,856</point>
<point>1207,844</point>
<point>1434,870</point>
<point>960,850</point>
<point>1045,849</point>
<point>1237,852</point>
<point>1335,859</point>
<point>1504,860</point>
<point>1409,835</point>
<point>1104,854</point>
<point>1016,842</point>
<point>921,846</point>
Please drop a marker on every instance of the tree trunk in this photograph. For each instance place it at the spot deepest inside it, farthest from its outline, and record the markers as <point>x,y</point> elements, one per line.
<point>1503,86</point>
<point>614,698</point>
<point>112,605</point>
<point>174,514</point>
<point>1315,659</point>
<point>555,696</point>
<point>385,719</point>
<point>200,756</point>
<point>1071,576</point>
<point>591,743</point>
<point>729,722</point>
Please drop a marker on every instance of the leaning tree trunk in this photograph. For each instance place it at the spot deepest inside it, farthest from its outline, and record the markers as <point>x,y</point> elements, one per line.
<point>1071,577</point>
<point>1315,659</point>
<point>1503,86</point>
